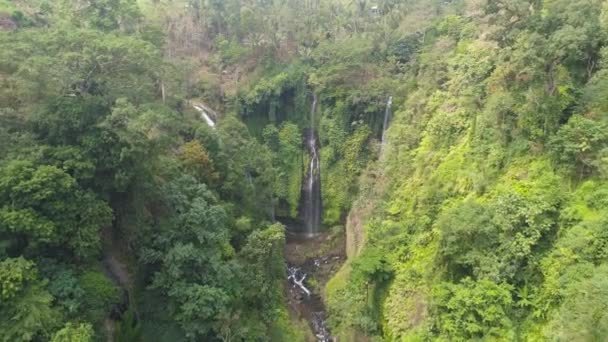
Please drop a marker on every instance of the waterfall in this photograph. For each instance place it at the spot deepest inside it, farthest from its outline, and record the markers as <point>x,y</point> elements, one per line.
<point>206,114</point>
<point>387,119</point>
<point>311,185</point>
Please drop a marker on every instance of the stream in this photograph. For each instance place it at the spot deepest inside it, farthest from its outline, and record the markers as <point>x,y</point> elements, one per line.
<point>311,263</point>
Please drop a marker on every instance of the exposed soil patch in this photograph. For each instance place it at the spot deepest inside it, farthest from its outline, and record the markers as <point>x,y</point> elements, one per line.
<point>7,23</point>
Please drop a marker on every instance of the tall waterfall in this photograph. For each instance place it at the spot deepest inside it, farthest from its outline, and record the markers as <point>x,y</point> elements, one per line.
<point>387,118</point>
<point>311,183</point>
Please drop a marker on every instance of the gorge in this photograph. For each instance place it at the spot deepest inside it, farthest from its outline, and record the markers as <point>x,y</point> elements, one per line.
<point>306,303</point>
<point>303,171</point>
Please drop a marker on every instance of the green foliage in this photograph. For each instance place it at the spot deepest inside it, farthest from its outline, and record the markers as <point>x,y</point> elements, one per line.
<point>495,241</point>
<point>470,310</point>
<point>66,288</point>
<point>582,316</point>
<point>196,160</point>
<point>352,304</point>
<point>578,144</point>
<point>245,166</point>
<point>47,208</point>
<point>265,268</point>
<point>342,162</point>
<point>480,218</point>
<point>70,61</point>
<point>284,330</point>
<point>372,267</point>
<point>231,52</point>
<point>7,6</point>
<point>286,145</point>
<point>91,110</point>
<point>100,294</point>
<point>130,329</point>
<point>104,15</point>
<point>15,273</point>
<point>341,64</point>
<point>194,268</point>
<point>72,332</point>
<point>25,305</point>
<point>272,87</point>
<point>485,203</point>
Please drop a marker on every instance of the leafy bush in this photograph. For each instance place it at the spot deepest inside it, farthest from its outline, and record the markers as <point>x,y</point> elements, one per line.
<point>100,295</point>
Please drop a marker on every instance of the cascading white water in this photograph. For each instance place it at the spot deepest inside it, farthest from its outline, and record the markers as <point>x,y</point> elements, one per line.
<point>387,119</point>
<point>318,318</point>
<point>294,274</point>
<point>205,115</point>
<point>311,188</point>
<point>319,324</point>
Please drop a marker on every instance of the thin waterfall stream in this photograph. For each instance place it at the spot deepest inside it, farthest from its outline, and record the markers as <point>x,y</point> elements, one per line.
<point>207,114</point>
<point>311,204</point>
<point>387,119</point>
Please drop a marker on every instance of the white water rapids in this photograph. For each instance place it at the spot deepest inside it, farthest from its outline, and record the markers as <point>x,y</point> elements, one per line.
<point>318,319</point>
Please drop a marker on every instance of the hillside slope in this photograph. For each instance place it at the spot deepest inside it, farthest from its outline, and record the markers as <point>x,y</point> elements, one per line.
<point>492,225</point>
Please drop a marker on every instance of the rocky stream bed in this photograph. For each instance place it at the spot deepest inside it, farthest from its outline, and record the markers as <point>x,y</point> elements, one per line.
<point>311,264</point>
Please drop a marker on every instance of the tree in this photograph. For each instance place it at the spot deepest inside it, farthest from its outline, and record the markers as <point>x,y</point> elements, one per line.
<point>578,144</point>
<point>44,205</point>
<point>65,287</point>
<point>73,332</point>
<point>582,317</point>
<point>196,160</point>
<point>25,306</point>
<point>286,145</point>
<point>497,239</point>
<point>246,169</point>
<point>103,15</point>
<point>67,61</point>
<point>191,250</point>
<point>100,295</point>
<point>264,269</point>
<point>473,310</point>
<point>129,329</point>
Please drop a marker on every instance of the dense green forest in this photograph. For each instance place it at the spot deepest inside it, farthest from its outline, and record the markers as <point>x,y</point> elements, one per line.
<point>463,160</point>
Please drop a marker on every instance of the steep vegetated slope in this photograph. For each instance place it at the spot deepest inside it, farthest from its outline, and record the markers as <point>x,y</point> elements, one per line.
<point>492,223</point>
